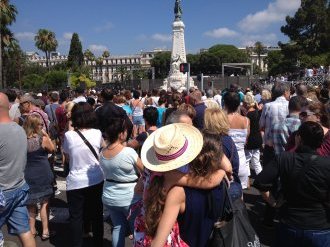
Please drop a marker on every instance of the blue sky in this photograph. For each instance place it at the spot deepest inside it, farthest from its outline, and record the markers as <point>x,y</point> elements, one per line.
<point>128,26</point>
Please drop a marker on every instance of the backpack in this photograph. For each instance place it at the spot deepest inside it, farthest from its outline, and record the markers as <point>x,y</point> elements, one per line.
<point>53,126</point>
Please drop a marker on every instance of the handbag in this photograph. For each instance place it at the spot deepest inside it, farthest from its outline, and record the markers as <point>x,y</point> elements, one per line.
<point>233,228</point>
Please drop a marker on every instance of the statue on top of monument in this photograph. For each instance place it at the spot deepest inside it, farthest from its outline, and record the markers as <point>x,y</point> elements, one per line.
<point>177,10</point>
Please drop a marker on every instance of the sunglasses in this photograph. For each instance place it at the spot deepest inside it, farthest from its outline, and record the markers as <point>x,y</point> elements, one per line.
<point>306,114</point>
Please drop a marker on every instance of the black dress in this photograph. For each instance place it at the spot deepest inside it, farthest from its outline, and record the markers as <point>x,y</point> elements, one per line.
<point>254,140</point>
<point>38,174</point>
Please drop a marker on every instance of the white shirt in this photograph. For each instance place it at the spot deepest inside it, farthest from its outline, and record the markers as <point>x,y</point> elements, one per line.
<point>79,99</point>
<point>218,99</point>
<point>85,170</point>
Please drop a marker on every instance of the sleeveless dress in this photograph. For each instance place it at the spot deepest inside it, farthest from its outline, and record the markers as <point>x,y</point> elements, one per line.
<point>38,174</point>
<point>197,221</point>
<point>140,237</point>
<point>239,137</point>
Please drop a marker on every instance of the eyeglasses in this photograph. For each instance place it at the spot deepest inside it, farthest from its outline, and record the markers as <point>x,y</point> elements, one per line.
<point>22,103</point>
<point>306,114</point>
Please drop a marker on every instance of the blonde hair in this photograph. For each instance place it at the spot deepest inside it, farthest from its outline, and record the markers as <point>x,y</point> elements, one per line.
<point>249,100</point>
<point>211,104</point>
<point>216,121</point>
<point>266,95</point>
<point>68,108</point>
<point>31,125</point>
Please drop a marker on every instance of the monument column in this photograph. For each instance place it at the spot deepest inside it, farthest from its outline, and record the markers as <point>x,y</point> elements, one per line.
<point>176,79</point>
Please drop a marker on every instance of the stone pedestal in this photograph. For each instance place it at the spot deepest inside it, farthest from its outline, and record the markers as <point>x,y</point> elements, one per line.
<point>176,79</point>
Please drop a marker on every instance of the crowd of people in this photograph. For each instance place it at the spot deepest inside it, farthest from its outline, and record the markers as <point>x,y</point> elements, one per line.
<point>151,160</point>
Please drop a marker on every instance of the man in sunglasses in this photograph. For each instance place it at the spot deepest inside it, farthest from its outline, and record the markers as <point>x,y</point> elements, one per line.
<point>28,106</point>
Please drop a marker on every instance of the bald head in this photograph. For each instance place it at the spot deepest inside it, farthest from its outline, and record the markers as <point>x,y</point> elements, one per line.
<point>4,102</point>
<point>4,108</point>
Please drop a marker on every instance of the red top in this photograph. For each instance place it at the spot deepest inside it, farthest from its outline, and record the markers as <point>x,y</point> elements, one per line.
<point>324,150</point>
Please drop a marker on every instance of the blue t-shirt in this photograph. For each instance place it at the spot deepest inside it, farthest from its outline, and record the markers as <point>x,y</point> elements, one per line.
<point>161,111</point>
<point>128,110</point>
<point>120,168</point>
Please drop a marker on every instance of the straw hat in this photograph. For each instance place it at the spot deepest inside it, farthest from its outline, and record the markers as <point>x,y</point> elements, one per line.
<point>171,147</point>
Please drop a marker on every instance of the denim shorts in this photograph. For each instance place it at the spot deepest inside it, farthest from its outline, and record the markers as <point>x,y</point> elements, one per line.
<point>15,213</point>
<point>138,120</point>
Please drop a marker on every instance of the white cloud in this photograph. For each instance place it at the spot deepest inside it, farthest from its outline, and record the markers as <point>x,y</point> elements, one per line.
<point>275,12</point>
<point>222,32</point>
<point>268,39</point>
<point>107,26</point>
<point>25,36</point>
<point>98,48</point>
<point>67,35</point>
<point>162,37</point>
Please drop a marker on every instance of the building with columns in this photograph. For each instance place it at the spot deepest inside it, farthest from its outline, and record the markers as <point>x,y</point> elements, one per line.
<point>254,56</point>
<point>105,69</point>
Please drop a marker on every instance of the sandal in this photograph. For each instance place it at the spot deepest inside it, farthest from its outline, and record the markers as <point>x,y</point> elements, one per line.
<point>45,237</point>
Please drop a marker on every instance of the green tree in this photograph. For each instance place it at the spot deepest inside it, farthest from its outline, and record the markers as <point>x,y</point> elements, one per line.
<point>45,41</point>
<point>161,63</point>
<point>211,61</point>
<point>89,55</point>
<point>122,73</point>
<point>56,79</point>
<point>278,64</point>
<point>106,54</point>
<point>15,62</point>
<point>33,81</point>
<point>81,79</point>
<point>308,30</point>
<point>194,60</point>
<point>76,56</point>
<point>8,14</point>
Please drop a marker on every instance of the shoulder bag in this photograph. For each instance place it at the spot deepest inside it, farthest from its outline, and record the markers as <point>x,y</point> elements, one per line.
<point>87,143</point>
<point>233,227</point>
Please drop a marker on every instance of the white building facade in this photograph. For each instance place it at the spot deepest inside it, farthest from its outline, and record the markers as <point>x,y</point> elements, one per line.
<point>105,69</point>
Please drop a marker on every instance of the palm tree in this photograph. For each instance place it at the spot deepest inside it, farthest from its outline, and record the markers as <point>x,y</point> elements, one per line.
<point>46,42</point>
<point>89,55</point>
<point>122,72</point>
<point>259,49</point>
<point>7,17</point>
<point>106,54</point>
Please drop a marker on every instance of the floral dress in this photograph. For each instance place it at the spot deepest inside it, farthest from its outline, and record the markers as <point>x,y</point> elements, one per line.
<point>140,238</point>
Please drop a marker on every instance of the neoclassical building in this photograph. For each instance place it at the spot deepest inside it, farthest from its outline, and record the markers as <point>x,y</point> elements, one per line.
<point>254,56</point>
<point>105,69</point>
<point>55,58</point>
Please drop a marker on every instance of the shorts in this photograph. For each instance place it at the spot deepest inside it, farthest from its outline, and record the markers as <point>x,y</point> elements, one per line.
<point>15,213</point>
<point>138,120</point>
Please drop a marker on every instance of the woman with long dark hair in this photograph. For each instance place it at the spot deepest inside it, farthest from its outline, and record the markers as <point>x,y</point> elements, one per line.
<point>121,166</point>
<point>85,180</point>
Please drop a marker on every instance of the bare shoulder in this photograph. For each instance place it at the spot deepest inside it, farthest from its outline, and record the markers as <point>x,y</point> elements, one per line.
<point>176,194</point>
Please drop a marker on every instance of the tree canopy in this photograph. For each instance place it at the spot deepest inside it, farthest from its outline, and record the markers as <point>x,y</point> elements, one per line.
<point>76,56</point>
<point>45,40</point>
<point>8,14</point>
<point>309,33</point>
